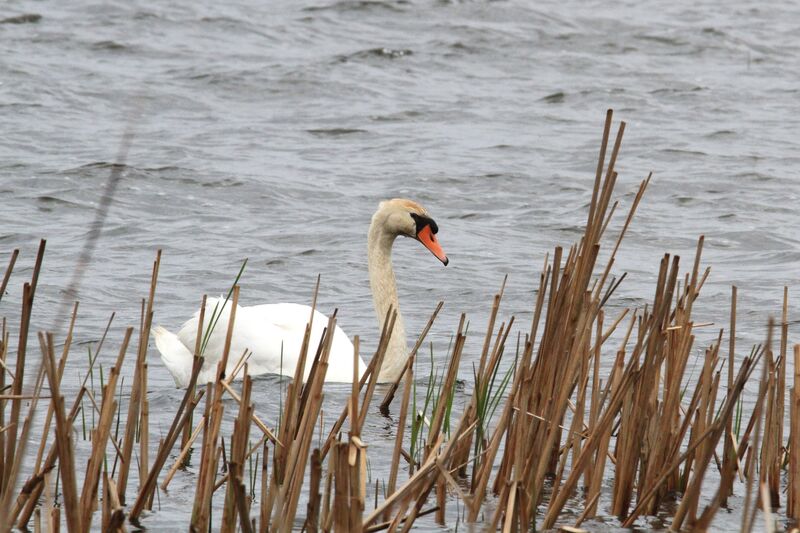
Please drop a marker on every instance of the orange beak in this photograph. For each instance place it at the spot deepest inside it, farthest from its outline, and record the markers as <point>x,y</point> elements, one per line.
<point>427,238</point>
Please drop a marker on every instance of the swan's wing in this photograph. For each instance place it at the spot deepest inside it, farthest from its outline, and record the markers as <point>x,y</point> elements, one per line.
<point>289,317</point>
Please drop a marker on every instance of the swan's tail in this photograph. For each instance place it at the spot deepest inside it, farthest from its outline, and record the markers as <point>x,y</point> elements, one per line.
<point>176,357</point>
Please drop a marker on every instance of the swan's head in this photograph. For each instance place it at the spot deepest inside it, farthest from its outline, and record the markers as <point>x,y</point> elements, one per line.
<point>407,218</point>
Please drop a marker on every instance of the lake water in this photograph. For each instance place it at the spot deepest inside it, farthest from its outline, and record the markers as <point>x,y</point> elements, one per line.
<point>271,131</point>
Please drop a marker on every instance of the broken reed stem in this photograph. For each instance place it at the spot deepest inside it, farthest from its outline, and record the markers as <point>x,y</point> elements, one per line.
<point>7,275</point>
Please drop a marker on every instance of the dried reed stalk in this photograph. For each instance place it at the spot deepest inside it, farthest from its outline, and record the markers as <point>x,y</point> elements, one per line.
<point>137,393</point>
<point>263,509</point>
<point>182,416</point>
<point>715,431</point>
<point>33,487</point>
<point>373,369</point>
<point>144,432</point>
<point>401,425</point>
<point>235,501</point>
<point>793,498</point>
<point>310,405</point>
<point>28,292</point>
<point>187,427</point>
<point>100,437</point>
<point>9,270</point>
<point>116,514</point>
<point>483,376</point>
<point>209,455</point>
<point>187,447</point>
<point>311,524</point>
<point>770,463</point>
<point>66,456</point>
<point>729,459</point>
<point>749,510</point>
<point>15,467</point>
<point>703,523</point>
<point>423,480</point>
<point>28,488</point>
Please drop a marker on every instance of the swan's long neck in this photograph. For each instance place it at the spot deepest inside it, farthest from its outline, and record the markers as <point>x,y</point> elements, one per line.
<point>384,295</point>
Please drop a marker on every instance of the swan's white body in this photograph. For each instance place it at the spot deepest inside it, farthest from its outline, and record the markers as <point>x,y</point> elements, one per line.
<point>274,332</point>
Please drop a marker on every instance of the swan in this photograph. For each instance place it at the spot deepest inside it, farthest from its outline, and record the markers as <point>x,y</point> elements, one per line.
<point>274,332</point>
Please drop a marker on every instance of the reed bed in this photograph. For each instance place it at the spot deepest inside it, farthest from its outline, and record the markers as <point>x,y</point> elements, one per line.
<point>540,425</point>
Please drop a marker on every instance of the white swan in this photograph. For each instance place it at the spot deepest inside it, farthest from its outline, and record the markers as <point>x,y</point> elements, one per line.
<point>274,332</point>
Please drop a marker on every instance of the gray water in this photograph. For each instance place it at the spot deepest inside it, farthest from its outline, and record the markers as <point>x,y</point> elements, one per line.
<point>271,132</point>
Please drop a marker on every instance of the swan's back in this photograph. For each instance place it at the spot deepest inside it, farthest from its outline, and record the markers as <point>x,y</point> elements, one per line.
<point>274,334</point>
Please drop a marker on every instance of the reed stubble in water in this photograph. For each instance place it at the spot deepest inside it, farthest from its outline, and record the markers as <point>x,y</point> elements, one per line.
<point>535,432</point>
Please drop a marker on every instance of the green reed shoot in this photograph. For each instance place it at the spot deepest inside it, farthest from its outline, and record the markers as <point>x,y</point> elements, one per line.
<point>119,416</point>
<point>449,398</point>
<point>448,410</point>
<point>488,398</point>
<point>253,472</point>
<point>738,422</point>
<point>419,418</point>
<point>91,382</point>
<point>414,427</point>
<point>497,394</point>
<point>83,415</point>
<point>216,313</point>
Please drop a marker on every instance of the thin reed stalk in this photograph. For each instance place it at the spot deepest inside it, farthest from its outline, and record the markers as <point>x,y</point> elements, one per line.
<point>28,292</point>
<point>138,395</point>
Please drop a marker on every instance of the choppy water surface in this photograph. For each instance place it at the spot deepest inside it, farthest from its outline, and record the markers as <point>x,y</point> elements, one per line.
<point>271,131</point>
